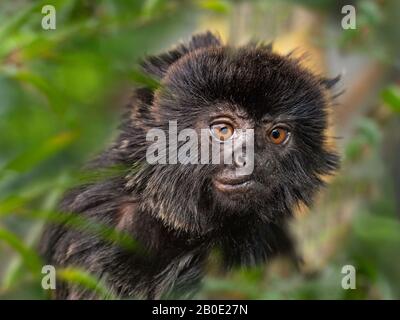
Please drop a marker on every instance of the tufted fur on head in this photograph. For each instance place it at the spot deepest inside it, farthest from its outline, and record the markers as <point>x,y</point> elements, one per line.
<point>173,211</point>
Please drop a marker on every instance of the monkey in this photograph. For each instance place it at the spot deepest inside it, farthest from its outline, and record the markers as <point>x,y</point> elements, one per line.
<point>178,213</point>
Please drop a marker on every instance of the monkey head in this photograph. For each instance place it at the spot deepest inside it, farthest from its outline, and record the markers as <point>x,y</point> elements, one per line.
<point>229,92</point>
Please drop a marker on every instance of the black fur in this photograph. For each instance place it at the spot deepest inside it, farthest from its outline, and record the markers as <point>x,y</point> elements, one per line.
<point>172,211</point>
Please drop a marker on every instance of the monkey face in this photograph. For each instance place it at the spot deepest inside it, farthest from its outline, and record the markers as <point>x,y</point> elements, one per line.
<point>226,91</point>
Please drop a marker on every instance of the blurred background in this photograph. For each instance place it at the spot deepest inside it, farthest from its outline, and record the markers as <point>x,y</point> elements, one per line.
<point>62,92</point>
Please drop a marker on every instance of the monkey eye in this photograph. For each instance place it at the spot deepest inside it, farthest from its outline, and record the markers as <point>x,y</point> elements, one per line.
<point>278,135</point>
<point>222,131</point>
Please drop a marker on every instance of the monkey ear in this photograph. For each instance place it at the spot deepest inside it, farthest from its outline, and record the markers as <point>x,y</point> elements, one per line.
<point>203,40</point>
<point>266,46</point>
<point>159,64</point>
<point>329,83</point>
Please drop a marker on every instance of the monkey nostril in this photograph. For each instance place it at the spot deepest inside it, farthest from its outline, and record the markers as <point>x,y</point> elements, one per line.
<point>240,161</point>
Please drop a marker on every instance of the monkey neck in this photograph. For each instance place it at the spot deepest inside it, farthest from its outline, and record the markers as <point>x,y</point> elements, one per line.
<point>243,240</point>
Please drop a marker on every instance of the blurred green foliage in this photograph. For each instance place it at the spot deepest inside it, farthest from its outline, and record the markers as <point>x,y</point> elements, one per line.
<point>60,99</point>
<point>61,93</point>
<point>391,96</point>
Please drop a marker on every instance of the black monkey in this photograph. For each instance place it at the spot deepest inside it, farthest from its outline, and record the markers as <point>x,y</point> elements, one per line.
<point>178,213</point>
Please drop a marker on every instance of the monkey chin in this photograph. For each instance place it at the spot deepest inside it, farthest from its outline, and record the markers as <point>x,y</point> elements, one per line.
<point>235,196</point>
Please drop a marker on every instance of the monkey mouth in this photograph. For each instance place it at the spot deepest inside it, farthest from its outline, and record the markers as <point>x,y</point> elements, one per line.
<point>240,184</point>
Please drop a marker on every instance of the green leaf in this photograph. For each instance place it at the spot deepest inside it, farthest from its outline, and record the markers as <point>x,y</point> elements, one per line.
<point>18,19</point>
<point>28,256</point>
<point>378,229</point>
<point>30,158</point>
<point>83,224</point>
<point>391,97</point>
<point>151,7</point>
<point>369,130</point>
<point>85,280</point>
<point>39,83</point>
<point>218,6</point>
<point>143,79</point>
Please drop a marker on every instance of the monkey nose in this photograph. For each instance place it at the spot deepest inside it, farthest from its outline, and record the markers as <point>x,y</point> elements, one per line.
<point>239,160</point>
